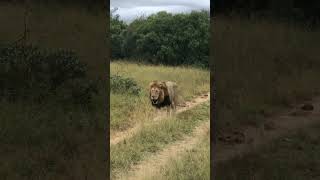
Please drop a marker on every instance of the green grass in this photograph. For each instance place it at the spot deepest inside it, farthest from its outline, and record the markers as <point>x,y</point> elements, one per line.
<point>293,157</point>
<point>154,137</point>
<point>262,66</point>
<point>126,110</point>
<point>193,165</point>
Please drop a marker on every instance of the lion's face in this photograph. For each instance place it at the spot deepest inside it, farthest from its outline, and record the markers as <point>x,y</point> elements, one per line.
<point>156,93</point>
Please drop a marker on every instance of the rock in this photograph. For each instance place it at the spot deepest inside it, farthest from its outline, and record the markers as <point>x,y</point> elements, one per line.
<point>232,137</point>
<point>307,107</point>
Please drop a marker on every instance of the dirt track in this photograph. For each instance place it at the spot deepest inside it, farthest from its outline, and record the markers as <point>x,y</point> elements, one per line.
<point>146,169</point>
<point>248,139</point>
<point>120,136</point>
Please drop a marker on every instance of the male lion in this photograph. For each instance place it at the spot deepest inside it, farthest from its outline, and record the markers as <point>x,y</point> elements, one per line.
<point>164,94</point>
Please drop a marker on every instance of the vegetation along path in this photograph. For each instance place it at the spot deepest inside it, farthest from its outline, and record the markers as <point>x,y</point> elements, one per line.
<point>122,135</point>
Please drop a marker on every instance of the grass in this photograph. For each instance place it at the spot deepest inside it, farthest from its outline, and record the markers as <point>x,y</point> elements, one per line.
<point>191,81</point>
<point>49,140</point>
<point>293,157</point>
<point>53,141</point>
<point>194,164</point>
<point>153,138</point>
<point>262,66</point>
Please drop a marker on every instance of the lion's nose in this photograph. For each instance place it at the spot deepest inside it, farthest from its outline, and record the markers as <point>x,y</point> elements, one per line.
<point>153,97</point>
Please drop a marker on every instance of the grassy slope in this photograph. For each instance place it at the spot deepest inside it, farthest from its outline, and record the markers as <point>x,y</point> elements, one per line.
<point>50,141</point>
<point>262,66</point>
<point>153,138</point>
<point>191,82</point>
<point>293,157</point>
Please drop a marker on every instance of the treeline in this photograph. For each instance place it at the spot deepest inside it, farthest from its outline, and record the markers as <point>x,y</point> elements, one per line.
<point>297,10</point>
<point>163,38</point>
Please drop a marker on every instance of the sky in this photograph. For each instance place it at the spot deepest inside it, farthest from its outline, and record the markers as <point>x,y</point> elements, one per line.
<point>130,9</point>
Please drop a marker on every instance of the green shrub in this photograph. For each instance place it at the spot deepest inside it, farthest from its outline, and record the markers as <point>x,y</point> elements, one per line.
<point>121,84</point>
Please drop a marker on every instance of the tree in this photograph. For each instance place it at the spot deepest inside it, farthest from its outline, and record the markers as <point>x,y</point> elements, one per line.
<point>117,27</point>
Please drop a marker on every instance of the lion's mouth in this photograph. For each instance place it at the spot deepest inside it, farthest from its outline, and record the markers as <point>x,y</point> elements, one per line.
<point>154,101</point>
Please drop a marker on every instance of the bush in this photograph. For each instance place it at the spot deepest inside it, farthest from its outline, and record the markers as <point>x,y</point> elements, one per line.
<point>64,65</point>
<point>121,84</point>
<point>26,72</point>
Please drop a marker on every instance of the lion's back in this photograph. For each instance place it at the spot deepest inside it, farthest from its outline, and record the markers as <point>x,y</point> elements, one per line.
<point>172,89</point>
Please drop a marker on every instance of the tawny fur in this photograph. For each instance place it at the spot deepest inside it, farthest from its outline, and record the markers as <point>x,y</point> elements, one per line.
<point>163,94</point>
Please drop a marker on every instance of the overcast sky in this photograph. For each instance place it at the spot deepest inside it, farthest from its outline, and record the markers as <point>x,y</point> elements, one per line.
<point>130,9</point>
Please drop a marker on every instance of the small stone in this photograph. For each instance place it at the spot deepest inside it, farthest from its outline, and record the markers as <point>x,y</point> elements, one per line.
<point>307,107</point>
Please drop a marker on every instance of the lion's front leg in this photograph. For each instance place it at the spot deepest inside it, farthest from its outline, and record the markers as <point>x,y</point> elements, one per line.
<point>173,108</point>
<point>168,111</point>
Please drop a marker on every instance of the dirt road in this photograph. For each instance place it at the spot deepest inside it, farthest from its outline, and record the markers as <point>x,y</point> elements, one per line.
<point>122,135</point>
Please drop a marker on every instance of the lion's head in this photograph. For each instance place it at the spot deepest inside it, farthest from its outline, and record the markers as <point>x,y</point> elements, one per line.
<point>158,92</point>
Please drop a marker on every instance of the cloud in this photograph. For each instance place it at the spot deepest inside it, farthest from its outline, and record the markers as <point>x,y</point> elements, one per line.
<point>129,10</point>
<point>138,3</point>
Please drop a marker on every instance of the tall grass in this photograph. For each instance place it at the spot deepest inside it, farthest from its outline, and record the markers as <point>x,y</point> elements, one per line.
<point>127,109</point>
<point>49,140</point>
<point>42,141</point>
<point>262,66</point>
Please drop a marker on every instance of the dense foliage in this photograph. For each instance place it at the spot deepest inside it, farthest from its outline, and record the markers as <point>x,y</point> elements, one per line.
<point>116,31</point>
<point>28,72</point>
<point>163,38</point>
